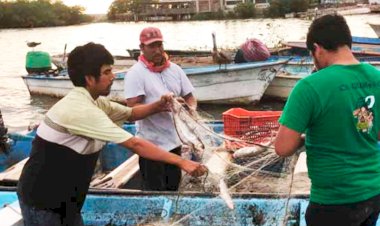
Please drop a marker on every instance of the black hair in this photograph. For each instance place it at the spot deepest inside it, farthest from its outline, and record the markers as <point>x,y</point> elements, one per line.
<point>330,32</point>
<point>87,60</point>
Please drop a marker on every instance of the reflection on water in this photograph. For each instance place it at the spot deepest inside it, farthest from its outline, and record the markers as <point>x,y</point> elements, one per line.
<point>19,109</point>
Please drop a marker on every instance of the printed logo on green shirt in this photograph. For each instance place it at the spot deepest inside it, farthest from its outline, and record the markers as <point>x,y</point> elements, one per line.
<point>364,114</point>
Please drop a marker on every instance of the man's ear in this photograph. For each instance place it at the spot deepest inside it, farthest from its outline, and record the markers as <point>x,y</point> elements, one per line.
<point>318,49</point>
<point>90,80</point>
<point>316,46</point>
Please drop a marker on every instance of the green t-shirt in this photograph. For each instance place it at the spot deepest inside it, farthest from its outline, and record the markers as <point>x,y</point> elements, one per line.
<point>338,109</point>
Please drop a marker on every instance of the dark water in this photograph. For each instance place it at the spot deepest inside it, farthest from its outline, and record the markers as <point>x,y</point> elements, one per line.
<point>20,109</point>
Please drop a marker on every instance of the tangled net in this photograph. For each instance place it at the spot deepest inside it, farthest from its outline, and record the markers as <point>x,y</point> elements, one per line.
<point>234,164</point>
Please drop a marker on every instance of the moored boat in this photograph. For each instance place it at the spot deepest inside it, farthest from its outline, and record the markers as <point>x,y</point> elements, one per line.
<point>296,69</point>
<point>281,86</point>
<point>376,29</point>
<point>120,62</point>
<point>359,49</point>
<point>135,53</point>
<point>121,207</point>
<point>111,156</point>
<point>366,40</point>
<point>133,207</point>
<point>229,84</point>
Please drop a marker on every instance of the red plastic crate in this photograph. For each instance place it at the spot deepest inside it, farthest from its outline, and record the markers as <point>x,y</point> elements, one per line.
<point>250,125</point>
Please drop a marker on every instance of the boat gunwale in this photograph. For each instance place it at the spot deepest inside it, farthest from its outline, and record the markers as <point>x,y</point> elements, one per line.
<point>132,192</point>
<point>209,70</point>
<point>240,67</point>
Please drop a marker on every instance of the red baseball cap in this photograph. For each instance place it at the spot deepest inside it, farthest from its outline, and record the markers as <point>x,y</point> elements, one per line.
<point>149,35</point>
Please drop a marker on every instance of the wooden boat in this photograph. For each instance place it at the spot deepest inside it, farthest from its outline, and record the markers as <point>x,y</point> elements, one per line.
<point>296,69</point>
<point>359,49</point>
<point>111,156</point>
<point>365,40</point>
<point>134,207</point>
<point>376,29</point>
<point>135,53</point>
<point>214,84</point>
<point>120,62</point>
<point>186,54</point>
<point>123,207</point>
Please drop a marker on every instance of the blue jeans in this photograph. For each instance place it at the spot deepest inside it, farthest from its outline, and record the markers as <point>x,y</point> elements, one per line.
<point>40,217</point>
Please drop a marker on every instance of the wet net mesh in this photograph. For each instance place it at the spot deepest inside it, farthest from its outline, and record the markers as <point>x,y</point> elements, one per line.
<point>240,161</point>
<point>240,156</point>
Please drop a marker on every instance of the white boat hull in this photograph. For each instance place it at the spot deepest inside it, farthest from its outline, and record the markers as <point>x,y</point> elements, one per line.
<point>237,84</point>
<point>376,28</point>
<point>59,86</point>
<point>234,86</point>
<point>281,86</point>
<point>283,83</point>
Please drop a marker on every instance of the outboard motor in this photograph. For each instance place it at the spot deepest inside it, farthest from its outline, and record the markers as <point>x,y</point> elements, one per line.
<point>4,140</point>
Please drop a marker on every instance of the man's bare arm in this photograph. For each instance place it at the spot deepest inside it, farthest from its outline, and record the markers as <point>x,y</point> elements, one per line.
<point>150,151</point>
<point>288,141</point>
<point>140,111</point>
<point>191,101</point>
<point>134,101</point>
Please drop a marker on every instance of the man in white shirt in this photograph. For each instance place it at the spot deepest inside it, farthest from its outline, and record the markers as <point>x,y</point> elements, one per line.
<point>151,77</point>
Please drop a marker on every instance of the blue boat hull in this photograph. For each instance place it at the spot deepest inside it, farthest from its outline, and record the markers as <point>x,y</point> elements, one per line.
<point>111,156</point>
<point>126,207</point>
<point>139,208</point>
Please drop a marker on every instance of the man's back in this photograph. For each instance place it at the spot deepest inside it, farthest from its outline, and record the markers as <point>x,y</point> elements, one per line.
<point>337,106</point>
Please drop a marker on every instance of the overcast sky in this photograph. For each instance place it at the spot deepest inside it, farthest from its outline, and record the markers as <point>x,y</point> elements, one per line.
<point>91,6</point>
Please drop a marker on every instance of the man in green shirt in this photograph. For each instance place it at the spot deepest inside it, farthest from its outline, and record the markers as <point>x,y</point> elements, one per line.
<point>338,109</point>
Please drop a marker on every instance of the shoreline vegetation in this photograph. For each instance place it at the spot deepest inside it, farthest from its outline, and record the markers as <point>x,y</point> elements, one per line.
<point>40,13</point>
<point>48,13</point>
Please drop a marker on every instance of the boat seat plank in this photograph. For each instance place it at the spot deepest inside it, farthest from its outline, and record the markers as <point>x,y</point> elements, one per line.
<point>13,173</point>
<point>10,215</point>
<point>119,176</point>
<point>301,166</point>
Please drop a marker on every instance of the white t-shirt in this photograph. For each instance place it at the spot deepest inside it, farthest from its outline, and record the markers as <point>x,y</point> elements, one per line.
<point>158,128</point>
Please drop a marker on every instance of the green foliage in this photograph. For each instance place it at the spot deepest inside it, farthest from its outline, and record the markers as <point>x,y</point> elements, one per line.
<point>127,7</point>
<point>231,15</point>
<point>245,10</point>
<point>278,8</point>
<point>117,7</point>
<point>39,13</point>
<point>219,15</point>
<point>203,16</point>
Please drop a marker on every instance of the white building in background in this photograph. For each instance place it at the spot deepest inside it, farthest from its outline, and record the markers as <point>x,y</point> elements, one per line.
<point>230,4</point>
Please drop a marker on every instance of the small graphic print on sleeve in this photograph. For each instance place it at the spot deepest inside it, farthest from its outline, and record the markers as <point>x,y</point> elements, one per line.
<point>364,118</point>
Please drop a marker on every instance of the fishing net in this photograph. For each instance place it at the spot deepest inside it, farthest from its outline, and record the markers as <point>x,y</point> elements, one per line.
<point>242,160</point>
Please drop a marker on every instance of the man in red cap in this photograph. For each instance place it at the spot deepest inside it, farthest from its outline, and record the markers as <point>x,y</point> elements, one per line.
<point>151,77</point>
